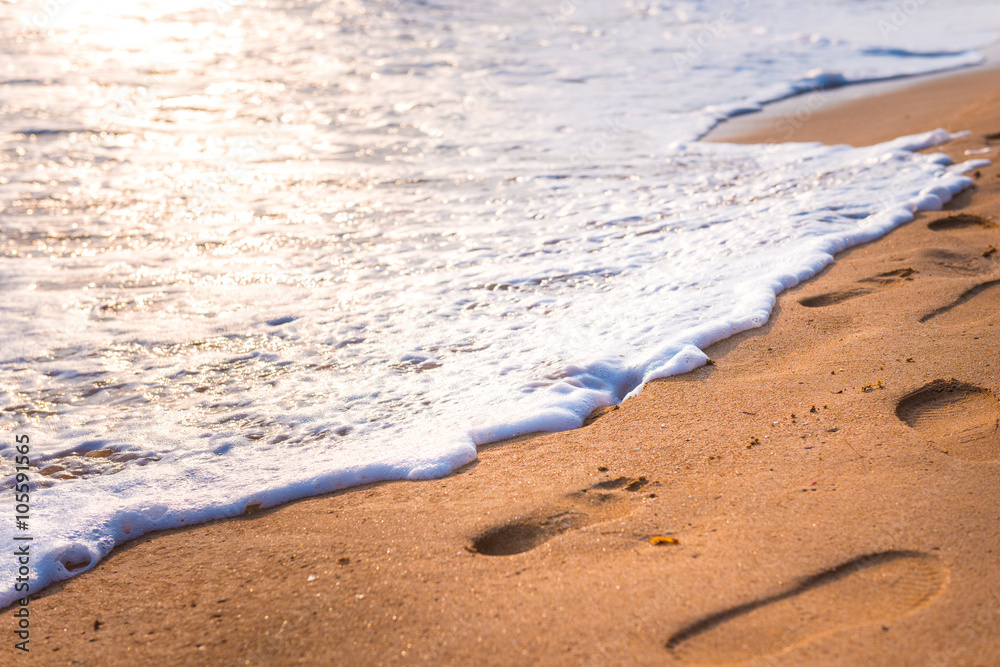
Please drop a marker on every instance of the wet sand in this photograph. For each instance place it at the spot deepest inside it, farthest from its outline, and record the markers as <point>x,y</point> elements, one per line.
<point>824,493</point>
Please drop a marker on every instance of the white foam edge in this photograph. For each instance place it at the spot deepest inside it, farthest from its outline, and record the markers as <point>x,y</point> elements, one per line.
<point>601,378</point>
<point>607,380</point>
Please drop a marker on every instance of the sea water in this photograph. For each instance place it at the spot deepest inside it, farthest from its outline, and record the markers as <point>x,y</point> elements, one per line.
<point>253,251</point>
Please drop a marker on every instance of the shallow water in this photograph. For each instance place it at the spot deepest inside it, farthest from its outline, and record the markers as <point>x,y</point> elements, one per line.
<point>255,251</point>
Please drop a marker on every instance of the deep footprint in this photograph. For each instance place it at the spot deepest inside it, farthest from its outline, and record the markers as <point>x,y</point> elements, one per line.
<point>832,297</point>
<point>873,588</point>
<point>965,297</point>
<point>965,264</point>
<point>882,279</point>
<point>958,418</point>
<point>890,277</point>
<point>600,502</point>
<point>960,221</point>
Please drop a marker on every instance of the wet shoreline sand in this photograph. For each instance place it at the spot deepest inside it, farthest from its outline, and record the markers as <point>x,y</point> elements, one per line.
<point>824,491</point>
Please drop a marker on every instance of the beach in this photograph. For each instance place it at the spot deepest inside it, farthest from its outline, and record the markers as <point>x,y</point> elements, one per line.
<point>822,492</point>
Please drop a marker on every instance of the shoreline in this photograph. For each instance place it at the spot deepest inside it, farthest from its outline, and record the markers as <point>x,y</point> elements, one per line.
<point>814,452</point>
<point>891,109</point>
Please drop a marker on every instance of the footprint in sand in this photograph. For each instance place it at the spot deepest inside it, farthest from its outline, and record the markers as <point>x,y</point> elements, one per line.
<point>963,264</point>
<point>964,297</point>
<point>958,418</point>
<point>881,280</point>
<point>958,263</point>
<point>872,588</point>
<point>600,502</point>
<point>960,221</point>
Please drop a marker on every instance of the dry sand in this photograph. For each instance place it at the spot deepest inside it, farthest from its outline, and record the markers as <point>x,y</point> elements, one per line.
<point>829,485</point>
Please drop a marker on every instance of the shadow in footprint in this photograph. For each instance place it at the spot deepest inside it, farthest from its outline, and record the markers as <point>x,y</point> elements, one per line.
<point>958,418</point>
<point>600,502</point>
<point>960,221</point>
<point>966,264</point>
<point>831,298</point>
<point>966,296</point>
<point>882,279</point>
<point>890,277</point>
<point>869,589</point>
